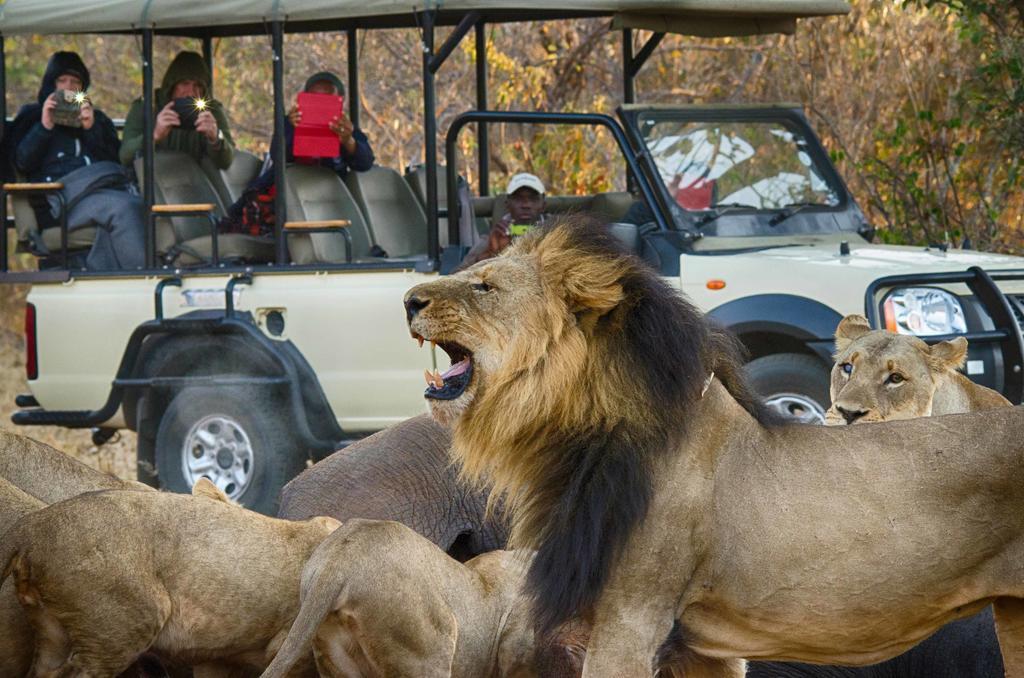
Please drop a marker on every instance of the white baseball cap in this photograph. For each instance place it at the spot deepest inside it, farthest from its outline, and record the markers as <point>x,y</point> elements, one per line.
<point>524,179</point>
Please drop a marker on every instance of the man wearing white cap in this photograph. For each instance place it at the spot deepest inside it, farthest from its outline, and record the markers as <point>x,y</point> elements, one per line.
<point>525,203</point>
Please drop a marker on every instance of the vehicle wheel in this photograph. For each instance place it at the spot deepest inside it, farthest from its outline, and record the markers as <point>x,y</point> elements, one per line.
<point>232,437</point>
<point>793,384</point>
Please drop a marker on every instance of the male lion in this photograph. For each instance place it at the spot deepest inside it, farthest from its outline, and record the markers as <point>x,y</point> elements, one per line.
<point>105,576</point>
<point>381,601</point>
<point>881,376</point>
<point>613,417</point>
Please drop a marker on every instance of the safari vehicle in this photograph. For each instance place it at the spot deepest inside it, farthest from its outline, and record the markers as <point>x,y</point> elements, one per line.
<point>245,358</point>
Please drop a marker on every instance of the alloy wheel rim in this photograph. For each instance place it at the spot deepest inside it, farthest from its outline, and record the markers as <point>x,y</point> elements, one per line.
<point>218,448</point>
<point>797,408</point>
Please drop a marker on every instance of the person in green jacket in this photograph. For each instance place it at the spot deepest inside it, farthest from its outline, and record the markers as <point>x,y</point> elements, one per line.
<point>187,76</point>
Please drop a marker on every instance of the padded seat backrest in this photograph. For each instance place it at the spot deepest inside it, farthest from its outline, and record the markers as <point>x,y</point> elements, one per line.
<point>416,177</point>
<point>229,183</point>
<point>396,220</point>
<point>317,193</point>
<point>612,206</point>
<point>180,180</point>
<point>567,204</point>
<point>24,217</point>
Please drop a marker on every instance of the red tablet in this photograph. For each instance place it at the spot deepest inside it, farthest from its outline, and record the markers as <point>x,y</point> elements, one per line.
<point>313,137</point>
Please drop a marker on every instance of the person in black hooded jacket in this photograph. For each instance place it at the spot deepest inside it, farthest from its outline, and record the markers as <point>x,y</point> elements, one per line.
<point>85,158</point>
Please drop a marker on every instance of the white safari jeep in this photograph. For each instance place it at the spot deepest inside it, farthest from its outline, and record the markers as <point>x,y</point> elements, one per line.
<point>240,359</point>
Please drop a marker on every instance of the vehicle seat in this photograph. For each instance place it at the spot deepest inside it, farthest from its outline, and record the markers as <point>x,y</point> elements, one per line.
<point>395,219</point>
<point>180,180</point>
<point>317,193</point>
<point>611,206</point>
<point>29,236</point>
<point>416,177</point>
<point>229,183</point>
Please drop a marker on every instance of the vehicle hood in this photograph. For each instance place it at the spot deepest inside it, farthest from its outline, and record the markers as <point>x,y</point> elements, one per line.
<point>820,273</point>
<point>888,259</point>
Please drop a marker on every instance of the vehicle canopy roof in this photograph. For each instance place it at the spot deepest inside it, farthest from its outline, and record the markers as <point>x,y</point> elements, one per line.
<point>708,18</point>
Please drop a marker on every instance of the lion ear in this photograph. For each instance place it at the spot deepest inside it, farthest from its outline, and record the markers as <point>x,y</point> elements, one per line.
<point>949,355</point>
<point>850,327</point>
<point>328,523</point>
<point>591,285</point>
<point>205,488</point>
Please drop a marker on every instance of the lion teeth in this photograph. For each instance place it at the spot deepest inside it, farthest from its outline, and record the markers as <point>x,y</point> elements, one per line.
<point>420,340</point>
<point>434,379</point>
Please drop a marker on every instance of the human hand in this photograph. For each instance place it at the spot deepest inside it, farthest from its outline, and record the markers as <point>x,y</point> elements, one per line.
<point>47,115</point>
<point>166,120</point>
<point>295,115</point>
<point>342,126</point>
<point>498,239</point>
<point>86,114</point>
<point>206,125</point>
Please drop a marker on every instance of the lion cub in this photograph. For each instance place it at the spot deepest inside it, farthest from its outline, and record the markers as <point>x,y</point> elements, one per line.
<point>193,579</point>
<point>880,376</point>
<point>381,601</point>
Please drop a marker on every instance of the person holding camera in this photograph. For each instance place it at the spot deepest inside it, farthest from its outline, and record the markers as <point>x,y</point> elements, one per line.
<point>64,138</point>
<point>353,153</point>
<point>526,204</point>
<point>187,119</point>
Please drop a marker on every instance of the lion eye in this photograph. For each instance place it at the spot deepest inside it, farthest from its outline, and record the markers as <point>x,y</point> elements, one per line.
<point>895,378</point>
<point>847,368</point>
<point>482,287</point>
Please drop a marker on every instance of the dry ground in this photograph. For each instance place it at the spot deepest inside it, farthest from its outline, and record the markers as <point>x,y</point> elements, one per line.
<point>117,456</point>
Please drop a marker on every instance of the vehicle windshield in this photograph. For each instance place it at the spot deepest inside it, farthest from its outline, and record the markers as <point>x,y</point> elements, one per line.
<point>719,167</point>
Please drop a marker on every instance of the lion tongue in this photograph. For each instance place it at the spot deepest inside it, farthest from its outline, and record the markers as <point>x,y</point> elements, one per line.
<point>456,369</point>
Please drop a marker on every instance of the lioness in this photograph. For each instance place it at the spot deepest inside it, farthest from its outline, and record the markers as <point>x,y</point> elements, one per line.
<point>195,579</point>
<point>381,601</point>
<point>880,376</point>
<point>615,419</point>
<point>15,631</point>
<point>47,473</point>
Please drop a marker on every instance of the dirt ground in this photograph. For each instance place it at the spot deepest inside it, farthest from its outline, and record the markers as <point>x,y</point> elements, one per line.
<point>116,456</point>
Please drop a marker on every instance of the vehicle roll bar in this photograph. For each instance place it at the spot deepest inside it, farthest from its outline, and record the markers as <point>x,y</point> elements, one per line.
<point>488,117</point>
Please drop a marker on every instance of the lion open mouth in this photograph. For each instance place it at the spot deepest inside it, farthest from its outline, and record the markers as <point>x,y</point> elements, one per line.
<point>453,382</point>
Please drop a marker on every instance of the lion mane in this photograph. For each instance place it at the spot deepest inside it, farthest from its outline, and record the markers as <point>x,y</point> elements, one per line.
<point>573,427</point>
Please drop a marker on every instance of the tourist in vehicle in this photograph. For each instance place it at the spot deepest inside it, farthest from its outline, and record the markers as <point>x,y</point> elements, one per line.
<point>77,145</point>
<point>526,204</point>
<point>253,213</point>
<point>187,78</point>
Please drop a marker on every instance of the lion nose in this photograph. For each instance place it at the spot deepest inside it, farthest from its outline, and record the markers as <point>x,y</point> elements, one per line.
<point>851,415</point>
<point>414,305</point>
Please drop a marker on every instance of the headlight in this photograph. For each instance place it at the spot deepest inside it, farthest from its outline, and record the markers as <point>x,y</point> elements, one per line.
<point>924,312</point>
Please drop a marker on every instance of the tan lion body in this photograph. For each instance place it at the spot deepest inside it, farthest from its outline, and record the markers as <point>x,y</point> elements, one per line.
<point>839,546</point>
<point>381,601</point>
<point>193,579</point>
<point>15,631</point>
<point>829,545</point>
<point>881,376</point>
<point>47,473</point>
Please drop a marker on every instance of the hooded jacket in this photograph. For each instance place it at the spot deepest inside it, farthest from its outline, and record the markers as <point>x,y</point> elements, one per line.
<point>359,160</point>
<point>185,66</point>
<point>42,154</point>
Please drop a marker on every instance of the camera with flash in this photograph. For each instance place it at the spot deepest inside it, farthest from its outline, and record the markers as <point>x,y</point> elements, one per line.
<point>69,107</point>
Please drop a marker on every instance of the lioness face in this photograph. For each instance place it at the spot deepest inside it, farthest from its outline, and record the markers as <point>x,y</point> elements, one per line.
<point>474,316</point>
<point>880,376</point>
